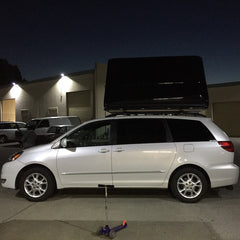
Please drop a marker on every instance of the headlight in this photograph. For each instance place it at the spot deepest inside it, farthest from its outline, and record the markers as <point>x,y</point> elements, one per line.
<point>14,156</point>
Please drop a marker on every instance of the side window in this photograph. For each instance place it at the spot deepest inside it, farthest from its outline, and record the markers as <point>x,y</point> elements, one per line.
<point>189,131</point>
<point>52,130</point>
<point>21,125</point>
<point>10,126</point>
<point>43,123</point>
<point>13,126</point>
<point>62,130</point>
<point>33,124</point>
<point>96,134</point>
<point>133,131</point>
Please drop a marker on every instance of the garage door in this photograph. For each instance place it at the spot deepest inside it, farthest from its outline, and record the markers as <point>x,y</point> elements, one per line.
<point>80,104</point>
<point>227,116</point>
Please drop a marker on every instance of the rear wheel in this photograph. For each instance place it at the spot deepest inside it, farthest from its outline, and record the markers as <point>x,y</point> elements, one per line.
<point>189,185</point>
<point>37,184</point>
<point>112,234</point>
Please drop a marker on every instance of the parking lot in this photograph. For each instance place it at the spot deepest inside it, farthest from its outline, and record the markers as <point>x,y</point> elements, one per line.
<point>151,214</point>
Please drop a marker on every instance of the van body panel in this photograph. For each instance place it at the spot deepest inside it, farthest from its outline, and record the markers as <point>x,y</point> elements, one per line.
<point>84,166</point>
<point>141,165</point>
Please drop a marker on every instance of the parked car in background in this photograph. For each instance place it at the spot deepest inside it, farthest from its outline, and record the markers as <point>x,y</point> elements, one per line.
<point>53,132</point>
<point>11,131</point>
<point>41,125</point>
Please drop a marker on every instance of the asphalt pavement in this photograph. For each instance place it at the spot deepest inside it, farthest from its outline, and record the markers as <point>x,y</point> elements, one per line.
<point>151,214</point>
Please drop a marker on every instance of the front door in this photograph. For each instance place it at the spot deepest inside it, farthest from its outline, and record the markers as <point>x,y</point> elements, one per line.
<point>8,110</point>
<point>86,161</point>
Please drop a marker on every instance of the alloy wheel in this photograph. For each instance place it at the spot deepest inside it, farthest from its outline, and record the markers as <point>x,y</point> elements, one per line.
<point>189,185</point>
<point>36,185</point>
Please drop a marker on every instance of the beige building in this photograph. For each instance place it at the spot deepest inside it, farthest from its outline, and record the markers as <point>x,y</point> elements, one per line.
<point>224,106</point>
<point>82,94</point>
<point>79,94</point>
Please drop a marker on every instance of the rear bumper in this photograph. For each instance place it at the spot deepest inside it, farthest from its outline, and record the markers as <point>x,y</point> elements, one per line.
<point>225,175</point>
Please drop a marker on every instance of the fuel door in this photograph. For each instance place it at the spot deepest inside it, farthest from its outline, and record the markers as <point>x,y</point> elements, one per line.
<point>188,148</point>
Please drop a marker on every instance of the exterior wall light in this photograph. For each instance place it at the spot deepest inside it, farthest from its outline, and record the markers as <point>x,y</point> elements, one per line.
<point>15,90</point>
<point>64,84</point>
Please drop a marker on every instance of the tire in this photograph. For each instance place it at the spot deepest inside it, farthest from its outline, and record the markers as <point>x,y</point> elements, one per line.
<point>37,184</point>
<point>3,139</point>
<point>112,234</point>
<point>189,185</point>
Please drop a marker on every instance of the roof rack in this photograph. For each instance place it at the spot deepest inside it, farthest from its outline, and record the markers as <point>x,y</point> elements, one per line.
<point>167,113</point>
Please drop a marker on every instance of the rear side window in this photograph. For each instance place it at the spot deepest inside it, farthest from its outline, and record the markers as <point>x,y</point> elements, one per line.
<point>189,131</point>
<point>133,131</point>
<point>21,125</point>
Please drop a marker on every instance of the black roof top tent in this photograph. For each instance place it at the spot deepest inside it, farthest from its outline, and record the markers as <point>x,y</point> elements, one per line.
<point>155,83</point>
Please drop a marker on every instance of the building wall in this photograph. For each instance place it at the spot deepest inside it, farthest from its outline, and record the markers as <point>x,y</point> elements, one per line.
<point>99,89</point>
<point>38,97</point>
<point>224,107</point>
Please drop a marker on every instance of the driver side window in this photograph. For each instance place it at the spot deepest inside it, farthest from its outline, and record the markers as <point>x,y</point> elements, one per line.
<point>90,135</point>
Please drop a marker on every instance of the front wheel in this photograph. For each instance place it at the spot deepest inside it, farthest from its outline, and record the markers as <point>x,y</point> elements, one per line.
<point>37,184</point>
<point>189,185</point>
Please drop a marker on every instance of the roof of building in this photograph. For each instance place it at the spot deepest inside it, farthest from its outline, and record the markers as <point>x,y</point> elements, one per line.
<point>227,84</point>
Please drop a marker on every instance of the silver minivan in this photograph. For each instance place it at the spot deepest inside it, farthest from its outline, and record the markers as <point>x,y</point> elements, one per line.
<point>188,155</point>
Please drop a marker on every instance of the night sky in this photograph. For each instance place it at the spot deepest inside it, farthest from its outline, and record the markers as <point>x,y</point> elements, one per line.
<point>46,38</point>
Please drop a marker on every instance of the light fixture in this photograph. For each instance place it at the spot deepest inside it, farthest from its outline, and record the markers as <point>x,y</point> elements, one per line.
<point>15,90</point>
<point>64,84</point>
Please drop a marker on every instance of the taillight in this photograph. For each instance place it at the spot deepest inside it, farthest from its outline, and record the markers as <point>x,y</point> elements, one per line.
<point>227,145</point>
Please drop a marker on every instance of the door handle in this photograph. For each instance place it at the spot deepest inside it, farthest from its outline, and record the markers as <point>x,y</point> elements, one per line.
<point>118,150</point>
<point>103,150</point>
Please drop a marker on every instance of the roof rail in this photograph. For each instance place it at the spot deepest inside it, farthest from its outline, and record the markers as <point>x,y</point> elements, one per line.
<point>167,113</point>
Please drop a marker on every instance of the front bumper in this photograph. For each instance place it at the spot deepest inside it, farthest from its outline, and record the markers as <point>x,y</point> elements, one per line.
<point>2,181</point>
<point>9,173</point>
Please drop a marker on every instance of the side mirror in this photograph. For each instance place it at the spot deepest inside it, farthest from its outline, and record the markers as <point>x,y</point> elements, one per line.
<point>63,143</point>
<point>68,143</point>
